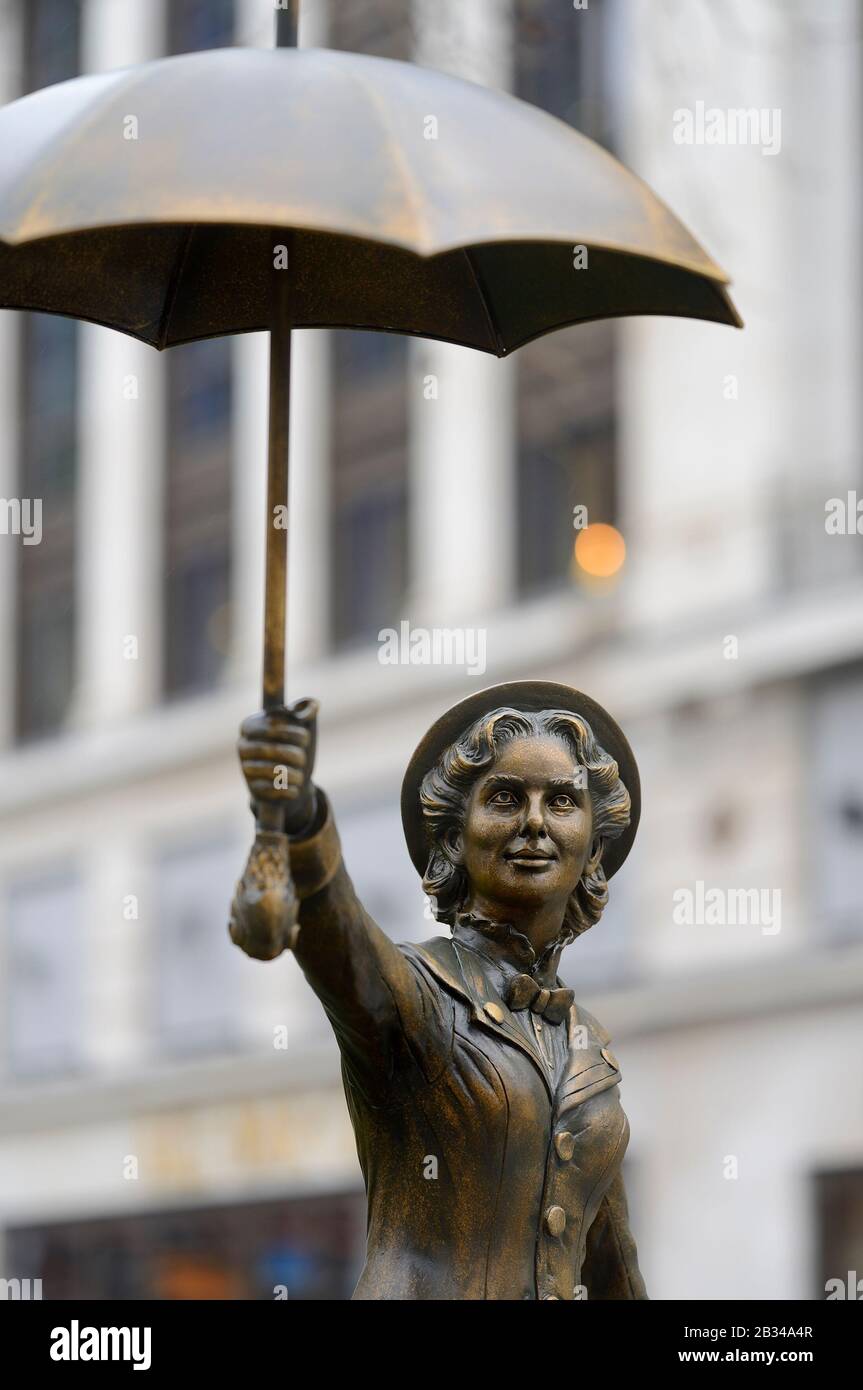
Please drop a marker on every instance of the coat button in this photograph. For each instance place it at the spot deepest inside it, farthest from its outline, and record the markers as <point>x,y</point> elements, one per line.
<point>494,1011</point>
<point>555,1221</point>
<point>610,1058</point>
<point>564,1143</point>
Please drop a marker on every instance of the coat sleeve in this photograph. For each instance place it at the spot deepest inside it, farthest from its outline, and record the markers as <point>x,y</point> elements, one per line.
<point>610,1269</point>
<point>382,1009</point>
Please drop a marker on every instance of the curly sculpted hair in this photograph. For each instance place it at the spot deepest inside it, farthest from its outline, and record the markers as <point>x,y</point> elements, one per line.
<point>446,788</point>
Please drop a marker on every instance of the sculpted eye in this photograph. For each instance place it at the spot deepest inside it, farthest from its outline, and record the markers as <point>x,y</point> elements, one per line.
<point>502,798</point>
<point>562,802</point>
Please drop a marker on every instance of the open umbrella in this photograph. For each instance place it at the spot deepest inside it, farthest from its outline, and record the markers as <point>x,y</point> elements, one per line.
<point>265,189</point>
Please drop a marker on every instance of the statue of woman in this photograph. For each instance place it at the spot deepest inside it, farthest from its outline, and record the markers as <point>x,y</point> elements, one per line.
<point>484,1100</point>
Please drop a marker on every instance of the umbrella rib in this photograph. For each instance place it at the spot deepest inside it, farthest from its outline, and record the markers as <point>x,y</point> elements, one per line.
<point>485,302</point>
<point>173,288</point>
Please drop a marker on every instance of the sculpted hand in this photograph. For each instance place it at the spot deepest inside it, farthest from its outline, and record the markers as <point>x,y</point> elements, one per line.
<point>277,755</point>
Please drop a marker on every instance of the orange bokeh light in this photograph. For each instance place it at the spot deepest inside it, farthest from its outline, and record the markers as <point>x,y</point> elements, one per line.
<point>600,550</point>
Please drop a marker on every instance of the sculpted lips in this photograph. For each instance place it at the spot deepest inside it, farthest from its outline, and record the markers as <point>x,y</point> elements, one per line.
<point>537,858</point>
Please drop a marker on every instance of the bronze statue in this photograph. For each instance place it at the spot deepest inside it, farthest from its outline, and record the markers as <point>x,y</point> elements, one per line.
<point>484,1100</point>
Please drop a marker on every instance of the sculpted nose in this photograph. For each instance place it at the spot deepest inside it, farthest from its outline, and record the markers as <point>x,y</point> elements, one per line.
<point>534,818</point>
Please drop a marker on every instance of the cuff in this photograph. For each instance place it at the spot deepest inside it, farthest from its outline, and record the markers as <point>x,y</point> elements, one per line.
<point>314,861</point>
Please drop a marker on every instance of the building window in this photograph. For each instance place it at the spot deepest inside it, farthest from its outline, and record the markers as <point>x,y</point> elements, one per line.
<point>312,1246</point>
<point>196,967</point>
<point>381,27</point>
<point>369,522</point>
<point>198,483</point>
<point>836,773</point>
<point>52,41</point>
<point>560,57</point>
<point>44,977</point>
<point>839,1215</point>
<point>370,424</point>
<point>198,515</point>
<point>48,447</point>
<point>198,24</point>
<point>566,380</point>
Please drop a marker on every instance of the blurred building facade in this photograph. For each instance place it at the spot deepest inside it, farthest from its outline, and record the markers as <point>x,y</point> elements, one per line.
<point>171,1115</point>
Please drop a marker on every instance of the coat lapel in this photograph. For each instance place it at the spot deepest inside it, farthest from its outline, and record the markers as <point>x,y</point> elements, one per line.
<point>591,1067</point>
<point>467,975</point>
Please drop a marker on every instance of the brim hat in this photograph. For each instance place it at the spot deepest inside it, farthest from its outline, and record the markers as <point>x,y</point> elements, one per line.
<point>529,696</point>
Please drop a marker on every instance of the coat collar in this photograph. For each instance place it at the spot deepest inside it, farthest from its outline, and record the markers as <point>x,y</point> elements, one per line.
<point>502,945</point>
<point>477,981</point>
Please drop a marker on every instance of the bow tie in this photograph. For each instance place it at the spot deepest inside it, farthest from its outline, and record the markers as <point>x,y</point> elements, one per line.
<point>524,993</point>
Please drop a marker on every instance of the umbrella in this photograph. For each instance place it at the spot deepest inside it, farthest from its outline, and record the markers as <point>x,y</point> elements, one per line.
<point>271,189</point>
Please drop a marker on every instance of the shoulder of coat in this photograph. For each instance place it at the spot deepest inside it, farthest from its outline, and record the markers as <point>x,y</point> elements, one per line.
<point>436,946</point>
<point>437,955</point>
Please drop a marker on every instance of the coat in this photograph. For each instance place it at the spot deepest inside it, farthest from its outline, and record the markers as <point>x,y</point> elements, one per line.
<point>489,1172</point>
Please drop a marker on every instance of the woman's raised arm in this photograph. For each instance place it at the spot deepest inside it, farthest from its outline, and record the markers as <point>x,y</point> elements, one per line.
<point>377,1003</point>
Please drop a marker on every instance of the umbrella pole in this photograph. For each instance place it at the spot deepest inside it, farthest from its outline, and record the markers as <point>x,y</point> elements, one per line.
<point>267,880</point>
<point>269,816</point>
<point>267,876</point>
<point>277,496</point>
<point>275,601</point>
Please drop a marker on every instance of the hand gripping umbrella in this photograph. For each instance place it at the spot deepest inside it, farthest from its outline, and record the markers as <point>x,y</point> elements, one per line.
<point>248,161</point>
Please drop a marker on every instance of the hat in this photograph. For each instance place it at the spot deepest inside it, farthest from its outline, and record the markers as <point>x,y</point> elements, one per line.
<point>519,695</point>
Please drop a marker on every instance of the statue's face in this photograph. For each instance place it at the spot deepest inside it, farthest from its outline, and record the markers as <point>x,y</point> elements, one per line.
<point>528,827</point>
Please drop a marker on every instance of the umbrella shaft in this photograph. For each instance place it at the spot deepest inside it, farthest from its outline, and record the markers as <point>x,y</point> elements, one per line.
<point>275,603</point>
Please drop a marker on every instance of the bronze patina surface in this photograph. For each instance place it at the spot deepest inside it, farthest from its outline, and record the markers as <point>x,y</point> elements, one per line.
<point>484,1099</point>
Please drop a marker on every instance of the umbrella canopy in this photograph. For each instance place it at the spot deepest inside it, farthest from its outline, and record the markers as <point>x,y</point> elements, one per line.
<point>418,203</point>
